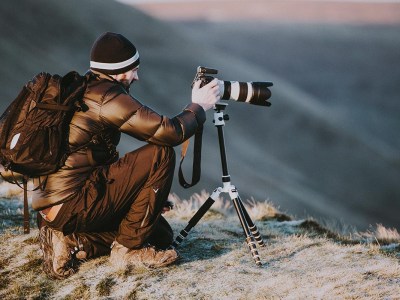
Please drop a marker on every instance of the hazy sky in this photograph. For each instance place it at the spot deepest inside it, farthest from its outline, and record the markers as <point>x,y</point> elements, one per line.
<point>185,1</point>
<point>323,11</point>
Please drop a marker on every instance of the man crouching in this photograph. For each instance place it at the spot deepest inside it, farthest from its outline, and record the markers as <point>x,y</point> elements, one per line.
<point>98,200</point>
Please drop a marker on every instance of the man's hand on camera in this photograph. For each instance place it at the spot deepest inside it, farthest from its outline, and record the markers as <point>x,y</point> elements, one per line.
<point>206,96</point>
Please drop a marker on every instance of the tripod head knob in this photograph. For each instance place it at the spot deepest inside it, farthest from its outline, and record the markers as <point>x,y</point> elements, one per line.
<point>224,118</point>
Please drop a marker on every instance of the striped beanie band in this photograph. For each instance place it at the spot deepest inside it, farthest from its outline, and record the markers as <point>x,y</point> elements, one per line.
<point>112,54</point>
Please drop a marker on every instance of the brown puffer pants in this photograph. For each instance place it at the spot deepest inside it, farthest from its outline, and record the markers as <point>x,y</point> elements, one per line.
<point>122,201</point>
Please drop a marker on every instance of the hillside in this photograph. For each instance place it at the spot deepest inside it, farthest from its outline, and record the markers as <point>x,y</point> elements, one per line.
<point>297,153</point>
<point>301,260</point>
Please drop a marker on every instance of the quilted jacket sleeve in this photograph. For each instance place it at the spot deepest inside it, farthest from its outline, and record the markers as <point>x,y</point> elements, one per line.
<point>143,123</point>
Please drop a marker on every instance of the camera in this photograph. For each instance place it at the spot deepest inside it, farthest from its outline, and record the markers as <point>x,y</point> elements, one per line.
<point>256,93</point>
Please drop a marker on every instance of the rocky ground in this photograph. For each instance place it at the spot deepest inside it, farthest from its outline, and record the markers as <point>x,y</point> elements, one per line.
<point>301,260</point>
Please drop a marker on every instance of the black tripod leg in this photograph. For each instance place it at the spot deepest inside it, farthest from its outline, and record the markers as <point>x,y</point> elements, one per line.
<point>253,228</point>
<point>193,221</point>
<point>249,237</point>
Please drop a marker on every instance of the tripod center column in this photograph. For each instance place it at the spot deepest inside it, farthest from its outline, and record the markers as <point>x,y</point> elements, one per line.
<point>219,121</point>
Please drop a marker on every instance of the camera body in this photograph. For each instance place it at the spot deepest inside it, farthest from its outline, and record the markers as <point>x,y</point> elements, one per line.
<point>256,93</point>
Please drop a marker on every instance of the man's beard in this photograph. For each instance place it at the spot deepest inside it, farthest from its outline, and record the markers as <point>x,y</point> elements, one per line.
<point>126,83</point>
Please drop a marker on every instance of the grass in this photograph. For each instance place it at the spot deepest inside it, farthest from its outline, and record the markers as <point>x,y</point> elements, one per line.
<point>5,279</point>
<point>82,291</point>
<point>105,285</point>
<point>381,235</point>
<point>302,259</point>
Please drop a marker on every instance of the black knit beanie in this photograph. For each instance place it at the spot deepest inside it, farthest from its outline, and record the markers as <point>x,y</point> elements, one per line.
<point>112,54</point>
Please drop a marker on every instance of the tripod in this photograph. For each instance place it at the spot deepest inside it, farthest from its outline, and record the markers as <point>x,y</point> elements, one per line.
<point>249,228</point>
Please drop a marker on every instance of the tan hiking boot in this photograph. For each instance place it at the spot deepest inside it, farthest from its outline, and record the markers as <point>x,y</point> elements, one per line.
<point>147,256</point>
<point>61,254</point>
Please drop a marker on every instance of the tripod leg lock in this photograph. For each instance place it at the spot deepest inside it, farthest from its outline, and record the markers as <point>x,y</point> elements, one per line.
<point>233,193</point>
<point>182,235</point>
<point>253,249</point>
<point>256,235</point>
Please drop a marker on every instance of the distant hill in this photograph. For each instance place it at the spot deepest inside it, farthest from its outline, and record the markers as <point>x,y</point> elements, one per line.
<point>291,153</point>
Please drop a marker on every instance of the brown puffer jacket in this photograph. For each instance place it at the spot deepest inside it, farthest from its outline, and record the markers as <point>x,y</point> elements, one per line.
<point>110,111</point>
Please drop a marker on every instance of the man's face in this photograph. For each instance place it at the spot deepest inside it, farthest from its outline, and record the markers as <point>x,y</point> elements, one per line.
<point>129,77</point>
<point>133,75</point>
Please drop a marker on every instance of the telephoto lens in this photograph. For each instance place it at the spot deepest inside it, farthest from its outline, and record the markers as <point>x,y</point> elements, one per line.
<point>256,93</point>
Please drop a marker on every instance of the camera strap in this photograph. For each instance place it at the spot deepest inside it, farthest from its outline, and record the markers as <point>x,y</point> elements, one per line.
<point>196,173</point>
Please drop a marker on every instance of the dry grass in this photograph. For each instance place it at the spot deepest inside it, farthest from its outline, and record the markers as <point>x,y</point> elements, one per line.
<point>301,260</point>
<point>382,235</point>
<point>9,191</point>
<point>184,209</point>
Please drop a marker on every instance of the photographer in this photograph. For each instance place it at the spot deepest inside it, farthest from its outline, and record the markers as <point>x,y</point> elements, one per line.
<point>97,199</point>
